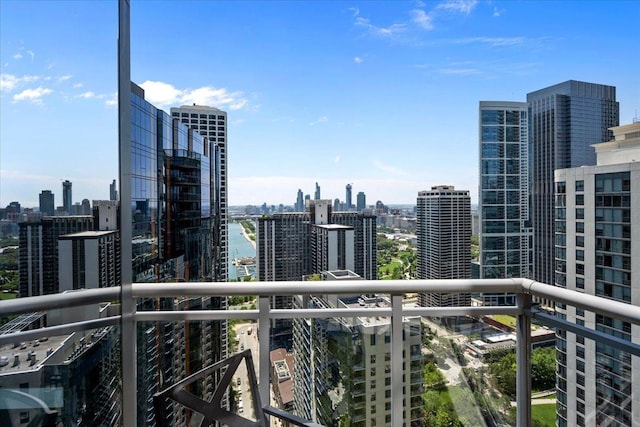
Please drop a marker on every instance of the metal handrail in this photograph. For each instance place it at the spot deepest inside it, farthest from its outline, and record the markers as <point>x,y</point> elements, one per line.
<point>524,289</point>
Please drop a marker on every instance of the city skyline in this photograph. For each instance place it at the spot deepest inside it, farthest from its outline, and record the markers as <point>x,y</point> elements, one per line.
<point>381,95</point>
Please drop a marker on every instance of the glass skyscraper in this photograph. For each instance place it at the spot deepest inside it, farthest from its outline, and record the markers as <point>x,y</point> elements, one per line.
<point>505,231</point>
<point>172,171</point>
<point>564,121</point>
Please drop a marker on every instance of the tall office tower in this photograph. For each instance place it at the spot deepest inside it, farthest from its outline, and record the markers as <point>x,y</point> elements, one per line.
<point>342,364</point>
<point>361,201</point>
<point>38,252</point>
<point>597,244</point>
<point>178,203</point>
<point>67,200</point>
<point>347,199</point>
<point>316,196</point>
<point>299,202</point>
<point>47,203</point>
<point>443,230</point>
<point>113,191</point>
<point>564,120</point>
<point>505,234</point>
<point>89,260</point>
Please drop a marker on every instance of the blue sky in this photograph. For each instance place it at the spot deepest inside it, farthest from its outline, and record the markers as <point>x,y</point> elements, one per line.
<point>383,95</point>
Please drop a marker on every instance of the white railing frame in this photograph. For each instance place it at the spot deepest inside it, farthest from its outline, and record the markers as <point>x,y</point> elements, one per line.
<point>523,288</point>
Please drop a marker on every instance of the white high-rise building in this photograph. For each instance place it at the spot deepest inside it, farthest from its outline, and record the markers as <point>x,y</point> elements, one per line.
<point>211,123</point>
<point>597,242</point>
<point>443,230</point>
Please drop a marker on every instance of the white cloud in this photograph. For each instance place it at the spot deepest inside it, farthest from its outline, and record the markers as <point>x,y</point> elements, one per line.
<point>86,95</point>
<point>493,41</point>
<point>323,119</point>
<point>17,56</point>
<point>497,12</point>
<point>358,59</point>
<point>164,94</point>
<point>64,78</point>
<point>423,19</point>
<point>32,95</point>
<point>9,82</point>
<point>78,85</point>
<point>31,54</point>
<point>112,101</point>
<point>337,160</point>
<point>388,168</point>
<point>389,31</point>
<point>461,6</point>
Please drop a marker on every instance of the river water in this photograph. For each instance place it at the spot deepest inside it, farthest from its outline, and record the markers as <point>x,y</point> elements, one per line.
<point>239,247</point>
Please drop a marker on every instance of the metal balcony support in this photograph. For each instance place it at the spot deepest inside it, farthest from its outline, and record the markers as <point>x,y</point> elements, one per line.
<point>128,304</point>
<point>264,326</point>
<point>523,361</point>
<point>397,346</point>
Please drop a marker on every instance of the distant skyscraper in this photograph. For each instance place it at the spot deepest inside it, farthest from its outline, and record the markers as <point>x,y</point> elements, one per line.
<point>564,121</point>
<point>299,202</point>
<point>316,196</point>
<point>597,237</point>
<point>361,202</point>
<point>113,191</point>
<point>47,203</point>
<point>347,200</point>
<point>505,235</point>
<point>67,200</point>
<point>86,207</point>
<point>443,231</point>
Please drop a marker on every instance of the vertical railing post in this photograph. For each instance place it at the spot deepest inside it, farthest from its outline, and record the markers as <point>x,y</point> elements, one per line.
<point>128,357</point>
<point>264,326</point>
<point>523,360</point>
<point>397,346</point>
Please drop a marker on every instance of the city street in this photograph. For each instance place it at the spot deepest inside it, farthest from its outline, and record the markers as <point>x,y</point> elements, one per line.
<point>241,378</point>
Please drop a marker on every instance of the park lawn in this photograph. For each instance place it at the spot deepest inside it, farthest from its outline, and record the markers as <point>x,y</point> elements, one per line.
<point>505,319</point>
<point>7,295</point>
<point>392,266</point>
<point>546,414</point>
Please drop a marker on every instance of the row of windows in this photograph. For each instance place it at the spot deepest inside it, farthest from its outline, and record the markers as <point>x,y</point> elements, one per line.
<point>195,116</point>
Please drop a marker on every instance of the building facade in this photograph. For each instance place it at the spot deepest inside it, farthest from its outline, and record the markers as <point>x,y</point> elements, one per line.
<point>564,121</point>
<point>211,124</point>
<point>38,252</point>
<point>47,203</point>
<point>67,198</point>
<point>89,260</point>
<point>505,232</point>
<point>361,201</point>
<point>597,212</point>
<point>341,366</point>
<point>443,231</point>
<point>175,210</point>
<point>290,246</point>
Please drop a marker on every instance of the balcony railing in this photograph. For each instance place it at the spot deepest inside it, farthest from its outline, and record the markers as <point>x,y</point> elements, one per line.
<point>524,311</point>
